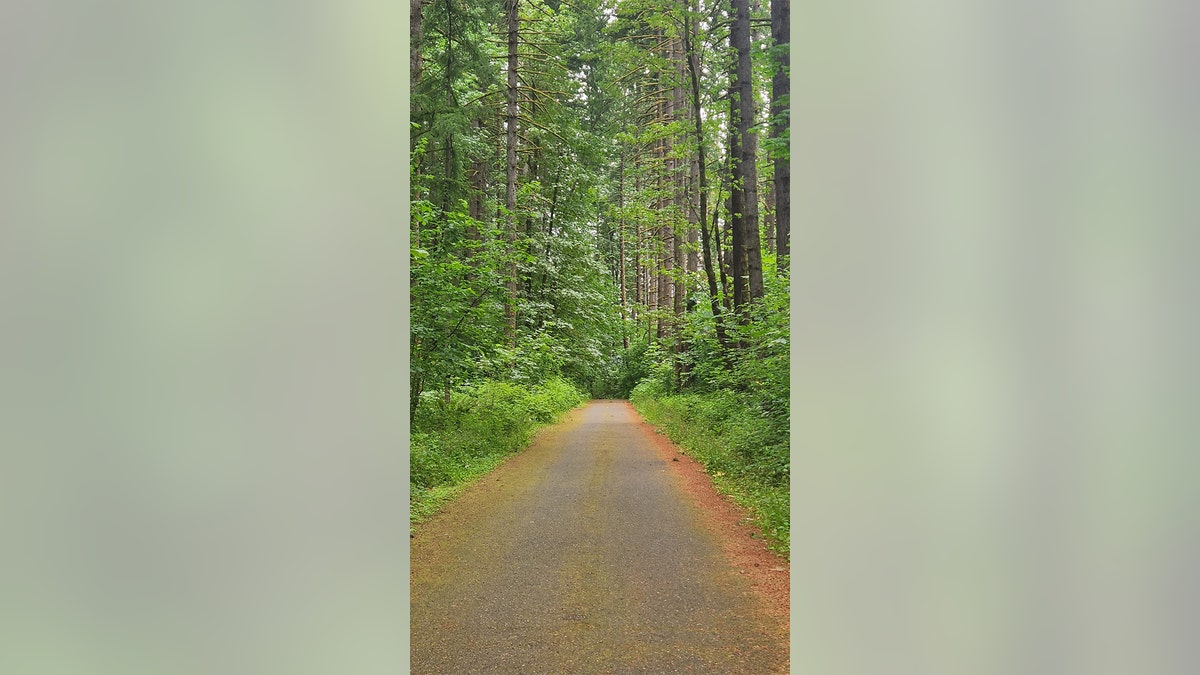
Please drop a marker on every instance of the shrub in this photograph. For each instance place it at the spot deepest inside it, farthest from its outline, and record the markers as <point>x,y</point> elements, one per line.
<point>427,466</point>
<point>624,371</point>
<point>746,452</point>
<point>454,442</point>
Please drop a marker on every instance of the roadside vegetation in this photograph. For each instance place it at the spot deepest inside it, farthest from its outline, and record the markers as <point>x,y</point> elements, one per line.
<point>600,204</point>
<point>454,442</point>
<point>733,416</point>
<point>738,451</point>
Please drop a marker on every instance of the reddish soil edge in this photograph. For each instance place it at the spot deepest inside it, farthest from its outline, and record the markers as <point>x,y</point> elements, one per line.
<point>768,573</point>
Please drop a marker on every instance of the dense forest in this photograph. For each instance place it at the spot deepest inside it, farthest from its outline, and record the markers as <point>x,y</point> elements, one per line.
<point>600,209</point>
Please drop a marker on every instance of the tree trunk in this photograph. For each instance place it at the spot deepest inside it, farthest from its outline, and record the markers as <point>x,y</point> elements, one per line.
<point>621,240</point>
<point>737,207</point>
<point>746,174</point>
<point>780,91</point>
<point>665,257</point>
<point>769,217</point>
<point>679,231</point>
<point>637,246</point>
<point>415,16</point>
<point>702,175</point>
<point>510,190</point>
<point>415,386</point>
<point>415,19</point>
<point>678,221</point>
<point>542,285</point>
<point>693,236</point>
<point>478,186</point>
<point>718,237</point>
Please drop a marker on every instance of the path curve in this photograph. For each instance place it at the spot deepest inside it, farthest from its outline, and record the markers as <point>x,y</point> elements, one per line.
<point>583,555</point>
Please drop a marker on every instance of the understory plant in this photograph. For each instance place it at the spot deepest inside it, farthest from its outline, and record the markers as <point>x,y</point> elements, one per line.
<point>454,441</point>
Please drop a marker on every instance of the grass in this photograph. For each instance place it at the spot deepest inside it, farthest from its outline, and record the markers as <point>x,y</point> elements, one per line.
<point>453,443</point>
<point>745,454</point>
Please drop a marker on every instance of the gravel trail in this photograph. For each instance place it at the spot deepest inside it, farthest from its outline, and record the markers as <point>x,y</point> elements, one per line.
<point>583,555</point>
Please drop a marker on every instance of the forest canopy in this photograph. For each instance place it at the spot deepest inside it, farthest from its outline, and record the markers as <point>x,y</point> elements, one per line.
<point>599,192</point>
<point>600,208</point>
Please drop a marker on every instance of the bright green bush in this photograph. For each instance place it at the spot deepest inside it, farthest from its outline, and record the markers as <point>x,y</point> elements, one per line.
<point>745,451</point>
<point>427,464</point>
<point>454,442</point>
<point>625,369</point>
<point>553,398</point>
<point>727,404</point>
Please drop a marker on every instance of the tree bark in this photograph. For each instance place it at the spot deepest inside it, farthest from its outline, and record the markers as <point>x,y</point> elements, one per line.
<point>638,297</point>
<point>666,257</point>
<point>737,206</point>
<point>510,190</point>
<point>780,92</point>
<point>665,235</point>
<point>768,217</point>
<point>702,175</point>
<point>745,173</point>
<point>621,240</point>
<point>415,17</point>
<point>676,221</point>
<point>721,257</point>
<point>682,197</point>
<point>693,235</point>
<point>478,186</point>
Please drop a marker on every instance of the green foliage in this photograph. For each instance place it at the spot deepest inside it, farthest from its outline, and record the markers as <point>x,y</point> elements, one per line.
<point>463,244</point>
<point>452,442</point>
<point>741,450</point>
<point>625,370</point>
<point>732,410</point>
<point>603,174</point>
<point>761,371</point>
<point>553,398</point>
<point>456,309</point>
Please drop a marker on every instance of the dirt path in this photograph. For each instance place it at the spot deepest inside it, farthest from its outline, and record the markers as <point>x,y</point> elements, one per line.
<point>590,553</point>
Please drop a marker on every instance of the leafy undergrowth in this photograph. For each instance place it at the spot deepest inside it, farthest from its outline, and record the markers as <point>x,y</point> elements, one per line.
<point>744,453</point>
<point>454,443</point>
